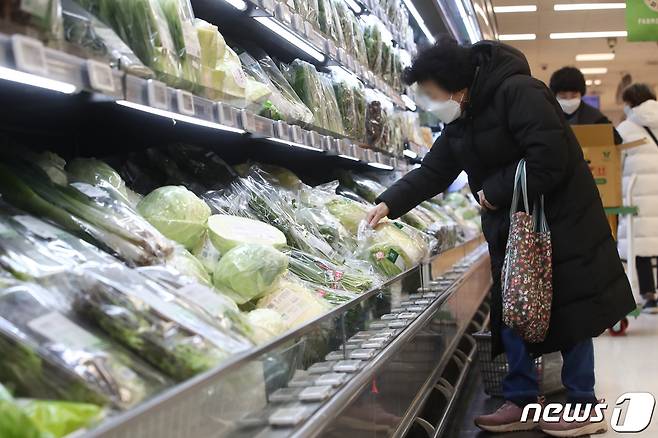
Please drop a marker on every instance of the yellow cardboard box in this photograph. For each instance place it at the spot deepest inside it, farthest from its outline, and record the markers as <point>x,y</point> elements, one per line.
<point>604,159</point>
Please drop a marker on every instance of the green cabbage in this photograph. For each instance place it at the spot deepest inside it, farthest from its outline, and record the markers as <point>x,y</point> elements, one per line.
<point>227,231</point>
<point>177,213</point>
<point>266,324</point>
<point>59,418</point>
<point>187,264</point>
<point>348,212</point>
<point>249,271</point>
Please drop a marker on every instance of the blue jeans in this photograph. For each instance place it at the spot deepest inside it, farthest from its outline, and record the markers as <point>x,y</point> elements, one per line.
<point>520,384</point>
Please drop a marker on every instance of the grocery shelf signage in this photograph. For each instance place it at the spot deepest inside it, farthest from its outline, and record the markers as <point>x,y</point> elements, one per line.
<point>642,20</point>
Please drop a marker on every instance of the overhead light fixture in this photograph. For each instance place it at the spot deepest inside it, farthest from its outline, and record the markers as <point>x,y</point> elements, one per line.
<point>421,23</point>
<point>587,6</point>
<point>292,143</point>
<point>517,37</point>
<point>292,38</point>
<point>589,82</point>
<point>354,6</point>
<point>519,8</point>
<point>348,157</point>
<point>380,166</point>
<point>21,77</point>
<point>179,117</point>
<point>595,57</point>
<point>597,82</point>
<point>573,35</point>
<point>409,153</point>
<point>594,71</point>
<point>240,5</point>
<point>410,104</point>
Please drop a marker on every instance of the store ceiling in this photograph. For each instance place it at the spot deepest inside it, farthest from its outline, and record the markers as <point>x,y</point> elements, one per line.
<point>546,55</point>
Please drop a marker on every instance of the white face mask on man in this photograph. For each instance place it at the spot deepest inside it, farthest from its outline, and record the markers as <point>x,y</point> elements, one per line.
<point>447,111</point>
<point>569,106</point>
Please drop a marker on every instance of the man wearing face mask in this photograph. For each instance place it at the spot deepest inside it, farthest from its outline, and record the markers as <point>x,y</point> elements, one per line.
<point>495,114</point>
<point>568,85</point>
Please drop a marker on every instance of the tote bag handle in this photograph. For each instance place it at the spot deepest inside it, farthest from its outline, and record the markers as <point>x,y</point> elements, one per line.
<point>520,189</point>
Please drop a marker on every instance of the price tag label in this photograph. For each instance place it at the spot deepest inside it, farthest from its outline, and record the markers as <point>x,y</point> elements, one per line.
<point>282,130</point>
<point>247,118</point>
<point>100,76</point>
<point>226,115</point>
<point>297,134</point>
<point>283,13</point>
<point>156,93</point>
<point>29,55</point>
<point>185,102</point>
<point>298,24</point>
<point>263,126</point>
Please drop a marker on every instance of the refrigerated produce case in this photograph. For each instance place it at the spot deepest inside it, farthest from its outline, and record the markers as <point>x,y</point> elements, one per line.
<point>372,353</point>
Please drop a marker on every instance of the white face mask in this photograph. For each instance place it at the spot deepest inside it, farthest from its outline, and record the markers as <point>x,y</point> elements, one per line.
<point>628,110</point>
<point>447,111</point>
<point>569,106</point>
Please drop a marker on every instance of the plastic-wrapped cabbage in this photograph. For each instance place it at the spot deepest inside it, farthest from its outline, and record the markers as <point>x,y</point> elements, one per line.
<point>98,173</point>
<point>150,320</point>
<point>349,213</point>
<point>185,263</point>
<point>209,42</point>
<point>295,303</point>
<point>266,324</point>
<point>177,213</point>
<point>227,232</point>
<point>91,212</point>
<point>206,253</point>
<point>390,249</point>
<point>250,271</point>
<point>180,19</point>
<point>257,94</point>
<point>98,40</point>
<point>226,80</point>
<point>47,354</point>
<point>143,26</point>
<point>58,419</point>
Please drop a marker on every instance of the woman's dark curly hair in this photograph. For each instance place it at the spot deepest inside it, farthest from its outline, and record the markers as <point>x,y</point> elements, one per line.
<point>637,94</point>
<point>446,63</point>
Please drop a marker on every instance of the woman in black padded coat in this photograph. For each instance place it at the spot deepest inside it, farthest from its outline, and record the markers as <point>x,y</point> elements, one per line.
<point>496,113</point>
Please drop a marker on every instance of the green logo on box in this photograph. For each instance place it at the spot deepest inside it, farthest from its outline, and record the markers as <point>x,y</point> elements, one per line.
<point>601,181</point>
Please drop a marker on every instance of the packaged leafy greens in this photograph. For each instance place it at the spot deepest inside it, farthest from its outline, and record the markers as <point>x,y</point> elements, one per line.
<point>44,16</point>
<point>98,173</point>
<point>373,40</point>
<point>266,324</point>
<point>295,302</point>
<point>348,212</point>
<point>333,114</point>
<point>143,26</point>
<point>58,419</point>
<point>98,40</point>
<point>329,22</point>
<point>305,80</point>
<point>390,249</point>
<point>47,354</point>
<point>177,213</point>
<point>344,86</point>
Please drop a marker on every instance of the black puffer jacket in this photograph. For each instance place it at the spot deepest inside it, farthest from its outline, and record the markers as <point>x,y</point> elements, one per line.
<point>509,116</point>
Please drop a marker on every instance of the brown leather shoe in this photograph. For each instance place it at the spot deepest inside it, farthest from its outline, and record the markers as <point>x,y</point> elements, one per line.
<point>574,429</point>
<point>506,419</point>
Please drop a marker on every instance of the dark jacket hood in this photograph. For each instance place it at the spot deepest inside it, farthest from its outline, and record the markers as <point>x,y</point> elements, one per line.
<point>495,62</point>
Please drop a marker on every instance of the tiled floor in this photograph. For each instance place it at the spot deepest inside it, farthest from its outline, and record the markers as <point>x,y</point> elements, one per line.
<point>623,364</point>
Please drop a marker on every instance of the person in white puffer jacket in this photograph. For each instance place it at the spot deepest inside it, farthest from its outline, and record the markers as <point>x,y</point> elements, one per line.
<point>641,121</point>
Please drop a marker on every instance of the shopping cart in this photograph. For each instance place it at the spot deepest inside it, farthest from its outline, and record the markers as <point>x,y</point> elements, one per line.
<point>549,368</point>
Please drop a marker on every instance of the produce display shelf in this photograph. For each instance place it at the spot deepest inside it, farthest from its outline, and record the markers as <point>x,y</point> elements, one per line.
<point>195,407</point>
<point>27,61</point>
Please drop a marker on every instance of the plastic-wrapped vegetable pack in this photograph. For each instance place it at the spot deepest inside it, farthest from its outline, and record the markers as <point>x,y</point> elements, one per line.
<point>90,211</point>
<point>180,18</point>
<point>391,248</point>
<point>86,31</point>
<point>143,26</point>
<point>295,302</point>
<point>345,89</point>
<point>308,9</point>
<point>150,320</point>
<point>372,34</point>
<point>360,49</point>
<point>32,418</point>
<point>283,103</point>
<point>377,129</point>
<point>329,22</point>
<point>47,354</point>
<point>45,16</point>
<point>332,111</point>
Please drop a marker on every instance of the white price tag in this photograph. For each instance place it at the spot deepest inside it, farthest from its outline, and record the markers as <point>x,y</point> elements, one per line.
<point>156,93</point>
<point>297,134</point>
<point>29,55</point>
<point>298,24</point>
<point>57,328</point>
<point>185,101</point>
<point>247,118</point>
<point>288,303</point>
<point>100,76</point>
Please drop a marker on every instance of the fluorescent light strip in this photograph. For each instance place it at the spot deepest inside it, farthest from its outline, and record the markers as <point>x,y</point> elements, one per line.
<point>590,82</point>
<point>587,6</point>
<point>20,77</point>
<point>179,117</point>
<point>348,157</point>
<point>517,37</point>
<point>292,38</point>
<point>573,35</point>
<point>595,57</point>
<point>354,6</point>
<point>240,5</point>
<point>410,104</point>
<point>421,23</point>
<point>594,71</point>
<point>292,143</point>
<point>380,166</point>
<point>520,8</point>
<point>409,153</point>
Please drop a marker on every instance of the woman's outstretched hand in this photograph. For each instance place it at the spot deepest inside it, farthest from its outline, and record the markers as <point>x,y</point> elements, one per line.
<point>376,214</point>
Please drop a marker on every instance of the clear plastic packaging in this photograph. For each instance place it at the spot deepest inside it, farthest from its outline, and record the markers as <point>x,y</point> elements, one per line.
<point>98,40</point>
<point>143,26</point>
<point>377,130</point>
<point>45,15</point>
<point>372,35</point>
<point>331,109</point>
<point>329,22</point>
<point>345,86</point>
<point>308,9</point>
<point>295,303</point>
<point>47,354</point>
